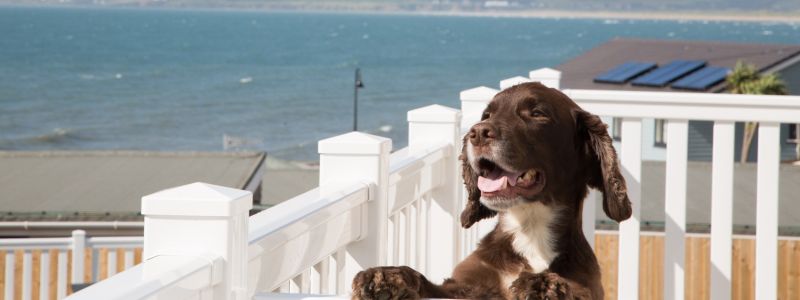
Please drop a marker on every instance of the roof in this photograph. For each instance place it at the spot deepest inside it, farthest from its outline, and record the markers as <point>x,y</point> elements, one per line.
<point>109,185</point>
<point>579,72</point>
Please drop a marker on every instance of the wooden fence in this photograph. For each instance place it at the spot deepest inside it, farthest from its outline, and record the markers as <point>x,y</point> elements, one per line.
<point>102,269</point>
<point>698,266</point>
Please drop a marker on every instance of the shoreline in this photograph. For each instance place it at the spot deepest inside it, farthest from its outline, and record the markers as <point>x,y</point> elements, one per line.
<point>601,15</point>
<point>699,16</point>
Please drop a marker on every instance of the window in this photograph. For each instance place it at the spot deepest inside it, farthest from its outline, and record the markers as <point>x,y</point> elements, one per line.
<point>793,134</point>
<point>660,139</point>
<point>616,128</point>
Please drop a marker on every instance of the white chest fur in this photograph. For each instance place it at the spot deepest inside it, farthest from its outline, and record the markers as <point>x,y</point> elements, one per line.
<point>530,225</point>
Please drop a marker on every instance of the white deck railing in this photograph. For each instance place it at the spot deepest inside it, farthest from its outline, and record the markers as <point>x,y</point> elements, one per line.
<point>375,208</point>
<point>678,109</point>
<point>372,208</point>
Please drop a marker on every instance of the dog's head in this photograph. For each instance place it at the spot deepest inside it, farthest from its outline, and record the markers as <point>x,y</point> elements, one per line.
<point>532,144</point>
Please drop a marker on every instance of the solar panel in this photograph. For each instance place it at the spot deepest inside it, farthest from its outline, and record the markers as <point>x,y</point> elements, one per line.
<point>662,76</point>
<point>702,79</point>
<point>624,72</point>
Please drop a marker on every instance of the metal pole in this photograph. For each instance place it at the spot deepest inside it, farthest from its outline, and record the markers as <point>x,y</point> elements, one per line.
<point>355,101</point>
<point>357,85</point>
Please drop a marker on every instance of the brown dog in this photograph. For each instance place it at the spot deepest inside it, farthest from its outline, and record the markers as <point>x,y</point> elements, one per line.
<point>530,161</point>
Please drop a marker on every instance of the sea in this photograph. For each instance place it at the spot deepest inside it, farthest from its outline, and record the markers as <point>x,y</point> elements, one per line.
<point>206,80</point>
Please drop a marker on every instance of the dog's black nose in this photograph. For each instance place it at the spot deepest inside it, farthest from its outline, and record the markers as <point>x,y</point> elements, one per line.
<point>481,133</point>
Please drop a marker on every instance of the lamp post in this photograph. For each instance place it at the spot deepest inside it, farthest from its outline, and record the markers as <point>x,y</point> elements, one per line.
<point>358,84</point>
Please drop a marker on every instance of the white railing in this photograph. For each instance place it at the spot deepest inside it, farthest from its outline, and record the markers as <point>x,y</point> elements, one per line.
<point>678,109</point>
<point>58,249</point>
<point>372,208</point>
<point>375,208</point>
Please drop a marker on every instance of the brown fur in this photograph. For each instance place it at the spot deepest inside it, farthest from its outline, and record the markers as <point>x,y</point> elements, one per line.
<point>537,128</point>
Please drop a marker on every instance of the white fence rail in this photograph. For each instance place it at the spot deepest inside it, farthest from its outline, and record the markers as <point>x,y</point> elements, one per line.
<point>372,208</point>
<point>678,109</point>
<point>375,208</point>
<point>59,249</point>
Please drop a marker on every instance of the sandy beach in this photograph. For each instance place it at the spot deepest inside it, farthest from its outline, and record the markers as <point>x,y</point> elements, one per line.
<point>644,15</point>
<point>733,15</point>
<point>728,16</point>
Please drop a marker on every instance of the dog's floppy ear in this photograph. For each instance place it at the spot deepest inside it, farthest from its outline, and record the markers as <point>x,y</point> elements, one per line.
<point>474,210</point>
<point>604,166</point>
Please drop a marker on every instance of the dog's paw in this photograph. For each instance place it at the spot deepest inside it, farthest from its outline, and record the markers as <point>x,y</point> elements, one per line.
<point>545,285</point>
<point>387,283</point>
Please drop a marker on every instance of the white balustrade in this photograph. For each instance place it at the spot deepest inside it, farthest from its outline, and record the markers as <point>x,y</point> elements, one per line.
<point>675,208</point>
<point>767,210</point>
<point>78,258</point>
<point>44,275</point>
<point>724,110</point>
<point>27,269</point>
<point>304,231</point>
<point>722,209</point>
<point>374,208</point>
<point>320,239</point>
<point>631,161</point>
<point>8,292</point>
<point>360,157</point>
<point>195,246</point>
<point>428,126</point>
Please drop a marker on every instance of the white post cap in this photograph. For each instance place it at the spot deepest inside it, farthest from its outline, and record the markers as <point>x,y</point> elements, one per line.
<point>198,199</point>
<point>478,94</point>
<point>547,76</point>
<point>509,82</point>
<point>355,143</point>
<point>434,114</point>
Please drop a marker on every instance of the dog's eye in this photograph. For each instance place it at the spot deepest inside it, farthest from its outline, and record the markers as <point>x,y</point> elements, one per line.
<point>485,116</point>
<point>537,113</point>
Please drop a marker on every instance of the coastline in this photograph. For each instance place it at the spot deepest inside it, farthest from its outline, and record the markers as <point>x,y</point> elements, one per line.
<point>643,15</point>
<point>700,16</point>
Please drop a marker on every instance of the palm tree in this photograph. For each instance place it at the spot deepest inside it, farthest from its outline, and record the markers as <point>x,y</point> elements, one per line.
<point>745,79</point>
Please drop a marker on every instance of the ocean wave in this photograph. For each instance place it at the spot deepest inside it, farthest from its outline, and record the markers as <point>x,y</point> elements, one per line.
<point>88,76</point>
<point>57,136</point>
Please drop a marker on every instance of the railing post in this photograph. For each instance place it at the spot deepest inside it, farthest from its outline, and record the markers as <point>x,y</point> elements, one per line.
<point>509,82</point>
<point>204,220</point>
<point>473,102</point>
<point>722,209</point>
<point>675,209</point>
<point>427,126</point>
<point>547,76</point>
<point>628,256</point>
<point>8,290</point>
<point>78,256</point>
<point>767,187</point>
<point>349,158</point>
<point>588,215</point>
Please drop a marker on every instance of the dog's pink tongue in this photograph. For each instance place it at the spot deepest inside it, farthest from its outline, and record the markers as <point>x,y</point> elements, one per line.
<point>496,181</point>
